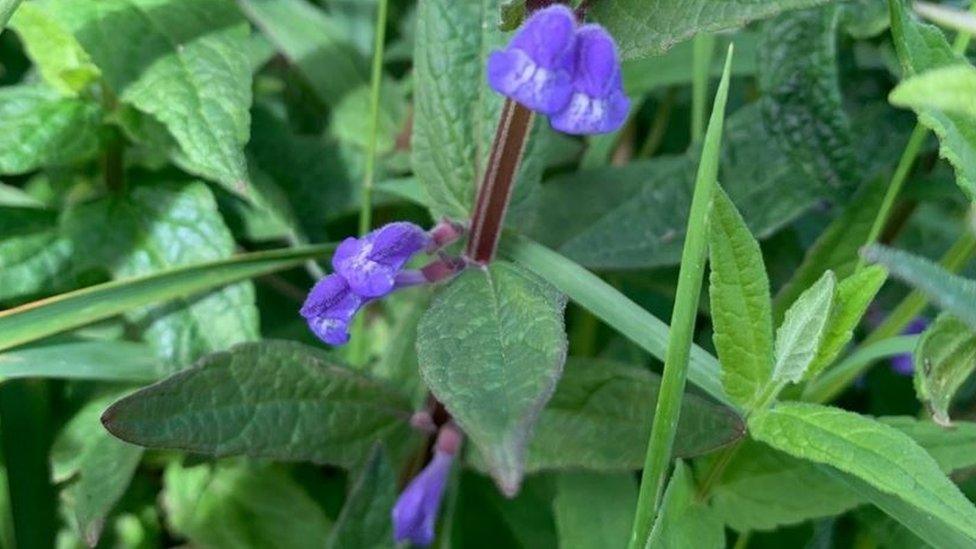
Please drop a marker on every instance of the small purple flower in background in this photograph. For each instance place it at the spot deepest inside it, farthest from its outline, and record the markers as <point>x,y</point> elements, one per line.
<point>330,307</point>
<point>371,267</point>
<point>370,264</point>
<point>536,69</point>
<point>571,74</point>
<point>416,510</point>
<point>904,364</point>
<point>598,104</point>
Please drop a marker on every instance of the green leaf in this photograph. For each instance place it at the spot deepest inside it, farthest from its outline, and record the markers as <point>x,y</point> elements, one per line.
<point>512,14</point>
<point>583,217</point>
<point>100,465</point>
<point>505,325</point>
<point>647,27</point>
<point>351,117</point>
<point>684,520</point>
<point>314,42</point>
<point>455,110</point>
<point>34,257</point>
<point>951,447</point>
<point>60,59</point>
<point>836,247</point>
<point>594,511</point>
<point>40,128</point>
<point>185,63</point>
<point>600,417</point>
<point>954,294</point>
<point>158,227</point>
<point>611,306</point>
<point>759,490</point>
<point>7,8</point>
<point>944,359</point>
<point>99,360</point>
<point>802,106</point>
<point>950,89</point>
<point>851,301</point>
<point>740,306</point>
<point>922,47</point>
<point>365,520</point>
<point>803,329</point>
<point>863,19</point>
<point>240,505</point>
<point>674,67</point>
<point>73,309</point>
<point>876,454</point>
<point>273,399</point>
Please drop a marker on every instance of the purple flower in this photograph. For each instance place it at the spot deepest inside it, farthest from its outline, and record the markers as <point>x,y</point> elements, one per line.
<point>370,264</point>
<point>904,364</point>
<point>330,307</point>
<point>598,104</point>
<point>536,69</point>
<point>571,74</point>
<point>415,512</point>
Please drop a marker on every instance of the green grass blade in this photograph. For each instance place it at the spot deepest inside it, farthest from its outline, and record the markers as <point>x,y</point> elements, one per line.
<point>63,312</point>
<point>98,360</point>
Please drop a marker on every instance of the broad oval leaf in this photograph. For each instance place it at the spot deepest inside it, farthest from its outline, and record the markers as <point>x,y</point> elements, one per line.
<point>740,304</point>
<point>60,59</point>
<point>273,399</point>
<point>949,89</point>
<point>944,359</point>
<point>593,510</point>
<point>34,257</point>
<point>600,417</point>
<point>684,520</point>
<point>491,348</point>
<point>873,453</point>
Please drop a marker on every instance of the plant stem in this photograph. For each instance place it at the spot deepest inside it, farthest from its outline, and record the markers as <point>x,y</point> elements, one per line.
<point>662,116</point>
<point>496,186</point>
<point>358,349</point>
<point>703,48</point>
<point>682,325</point>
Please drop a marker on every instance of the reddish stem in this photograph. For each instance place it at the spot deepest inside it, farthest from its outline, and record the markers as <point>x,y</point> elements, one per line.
<point>499,179</point>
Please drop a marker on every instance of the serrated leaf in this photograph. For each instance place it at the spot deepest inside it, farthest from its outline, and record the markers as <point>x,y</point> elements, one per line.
<point>922,47</point>
<point>594,511</point>
<point>851,301</point>
<point>950,89</point>
<point>740,306</point>
<point>240,505</point>
<point>62,62</point>
<point>836,247</point>
<point>314,41</point>
<point>99,466</point>
<point>759,488</point>
<point>272,399</point>
<point>684,520</point>
<point>584,215</point>
<point>101,360</point>
<point>871,452</point>
<point>185,64</point>
<point>491,348</point>
<point>34,257</point>
<point>944,359</point>
<point>40,128</point>
<point>647,27</point>
<point>600,417</point>
<point>954,294</point>
<point>455,110</point>
<point>511,15</point>
<point>804,326</point>
<point>365,521</point>
<point>802,104</point>
<point>159,227</point>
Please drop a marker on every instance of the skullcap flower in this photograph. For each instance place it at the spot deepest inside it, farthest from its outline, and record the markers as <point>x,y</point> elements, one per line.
<point>330,307</point>
<point>415,512</point>
<point>570,74</point>
<point>370,264</point>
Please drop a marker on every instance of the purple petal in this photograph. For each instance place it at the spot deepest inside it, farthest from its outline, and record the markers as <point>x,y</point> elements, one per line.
<point>415,512</point>
<point>370,264</point>
<point>536,67</point>
<point>598,104</point>
<point>329,308</point>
